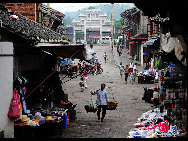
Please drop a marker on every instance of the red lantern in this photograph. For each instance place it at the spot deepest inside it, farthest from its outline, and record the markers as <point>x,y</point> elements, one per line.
<point>131,43</point>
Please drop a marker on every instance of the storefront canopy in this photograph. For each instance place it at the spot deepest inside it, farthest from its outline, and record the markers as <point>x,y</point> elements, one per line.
<point>63,50</point>
<point>151,42</point>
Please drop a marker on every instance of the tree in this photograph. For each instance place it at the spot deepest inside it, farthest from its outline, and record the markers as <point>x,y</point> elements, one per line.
<point>91,7</point>
<point>118,24</point>
<point>79,35</point>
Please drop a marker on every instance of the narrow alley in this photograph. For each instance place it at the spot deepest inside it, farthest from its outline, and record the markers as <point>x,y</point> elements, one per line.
<point>117,123</point>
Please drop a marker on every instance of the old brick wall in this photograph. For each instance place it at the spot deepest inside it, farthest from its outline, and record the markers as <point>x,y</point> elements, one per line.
<point>25,9</point>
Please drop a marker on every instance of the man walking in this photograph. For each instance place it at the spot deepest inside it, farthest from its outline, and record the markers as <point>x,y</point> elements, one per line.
<point>105,56</point>
<point>102,99</point>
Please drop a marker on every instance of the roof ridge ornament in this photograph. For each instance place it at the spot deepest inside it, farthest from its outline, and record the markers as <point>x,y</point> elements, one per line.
<point>158,18</point>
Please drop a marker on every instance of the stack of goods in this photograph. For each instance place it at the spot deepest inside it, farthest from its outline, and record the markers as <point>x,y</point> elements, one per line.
<point>91,108</point>
<point>173,95</point>
<point>147,76</point>
<point>111,105</point>
<point>155,124</point>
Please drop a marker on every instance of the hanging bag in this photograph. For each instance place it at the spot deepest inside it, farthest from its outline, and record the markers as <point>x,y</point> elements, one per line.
<point>14,111</point>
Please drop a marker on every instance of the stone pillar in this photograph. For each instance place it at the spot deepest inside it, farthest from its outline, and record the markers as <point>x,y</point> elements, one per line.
<point>6,87</point>
<point>74,35</point>
<point>85,30</point>
<point>142,56</point>
<point>100,31</point>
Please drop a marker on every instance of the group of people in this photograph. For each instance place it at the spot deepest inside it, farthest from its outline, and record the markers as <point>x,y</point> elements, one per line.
<point>129,71</point>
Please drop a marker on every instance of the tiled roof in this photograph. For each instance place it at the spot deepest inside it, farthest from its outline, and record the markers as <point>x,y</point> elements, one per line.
<point>27,28</point>
<point>52,11</point>
<point>130,12</point>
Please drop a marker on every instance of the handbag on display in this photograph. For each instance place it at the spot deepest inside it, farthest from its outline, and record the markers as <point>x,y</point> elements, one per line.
<point>14,110</point>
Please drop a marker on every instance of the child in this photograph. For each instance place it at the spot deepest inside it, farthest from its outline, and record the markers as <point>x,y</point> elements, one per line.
<point>81,83</point>
<point>121,67</point>
<point>132,76</point>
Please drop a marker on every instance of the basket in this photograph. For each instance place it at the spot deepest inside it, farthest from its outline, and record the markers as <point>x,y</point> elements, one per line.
<point>111,105</point>
<point>90,108</point>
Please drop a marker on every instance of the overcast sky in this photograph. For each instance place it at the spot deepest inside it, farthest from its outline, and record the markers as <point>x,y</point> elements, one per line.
<point>71,7</point>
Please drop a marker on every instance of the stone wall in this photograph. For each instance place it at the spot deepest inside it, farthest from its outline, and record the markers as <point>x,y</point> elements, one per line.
<point>6,87</point>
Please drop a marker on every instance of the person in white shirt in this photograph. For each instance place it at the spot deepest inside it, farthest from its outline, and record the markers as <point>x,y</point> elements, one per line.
<point>131,65</point>
<point>121,68</point>
<point>102,99</point>
<point>135,70</point>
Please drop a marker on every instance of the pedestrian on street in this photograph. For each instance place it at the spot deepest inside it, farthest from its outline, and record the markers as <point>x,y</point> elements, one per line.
<point>120,50</point>
<point>131,77</point>
<point>112,45</point>
<point>135,70</point>
<point>105,57</point>
<point>121,68</point>
<point>131,65</point>
<point>126,72</point>
<point>85,78</point>
<point>102,99</point>
<point>91,45</point>
<point>81,83</point>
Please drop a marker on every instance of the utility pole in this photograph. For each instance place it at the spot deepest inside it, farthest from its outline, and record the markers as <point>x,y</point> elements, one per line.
<point>112,25</point>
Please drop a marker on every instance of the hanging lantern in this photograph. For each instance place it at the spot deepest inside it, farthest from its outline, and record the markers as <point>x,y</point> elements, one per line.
<point>132,43</point>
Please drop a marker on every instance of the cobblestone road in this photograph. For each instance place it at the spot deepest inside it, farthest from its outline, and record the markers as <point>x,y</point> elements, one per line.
<point>117,123</point>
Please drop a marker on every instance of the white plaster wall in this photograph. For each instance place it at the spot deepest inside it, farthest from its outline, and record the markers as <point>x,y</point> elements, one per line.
<point>6,88</point>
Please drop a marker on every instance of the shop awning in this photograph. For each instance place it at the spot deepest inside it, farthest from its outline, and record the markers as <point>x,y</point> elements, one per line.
<point>64,50</point>
<point>153,41</point>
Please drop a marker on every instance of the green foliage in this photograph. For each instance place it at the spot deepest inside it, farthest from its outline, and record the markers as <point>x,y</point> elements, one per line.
<point>67,20</point>
<point>91,7</point>
<point>79,35</point>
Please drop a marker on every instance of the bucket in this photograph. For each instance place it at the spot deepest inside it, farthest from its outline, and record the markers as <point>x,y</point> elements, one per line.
<point>65,121</point>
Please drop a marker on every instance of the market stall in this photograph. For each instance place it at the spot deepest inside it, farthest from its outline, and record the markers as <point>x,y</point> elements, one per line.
<point>169,118</point>
<point>146,76</point>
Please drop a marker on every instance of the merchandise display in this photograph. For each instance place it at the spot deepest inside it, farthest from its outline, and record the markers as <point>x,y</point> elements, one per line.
<point>146,76</point>
<point>111,105</point>
<point>169,97</point>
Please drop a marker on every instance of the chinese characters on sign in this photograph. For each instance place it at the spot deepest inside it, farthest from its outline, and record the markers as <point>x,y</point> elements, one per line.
<point>163,126</point>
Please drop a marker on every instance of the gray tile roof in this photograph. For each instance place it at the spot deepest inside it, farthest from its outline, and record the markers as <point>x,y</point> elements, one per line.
<point>28,28</point>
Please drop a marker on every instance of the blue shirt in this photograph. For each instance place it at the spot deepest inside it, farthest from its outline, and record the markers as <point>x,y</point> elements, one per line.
<point>102,97</point>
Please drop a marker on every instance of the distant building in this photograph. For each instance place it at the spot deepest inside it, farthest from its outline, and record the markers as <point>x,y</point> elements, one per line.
<point>69,33</point>
<point>93,25</point>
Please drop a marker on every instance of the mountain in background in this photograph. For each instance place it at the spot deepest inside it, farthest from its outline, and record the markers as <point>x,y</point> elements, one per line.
<point>105,8</point>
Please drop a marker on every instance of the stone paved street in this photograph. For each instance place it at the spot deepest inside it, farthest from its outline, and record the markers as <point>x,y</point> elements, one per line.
<point>117,123</point>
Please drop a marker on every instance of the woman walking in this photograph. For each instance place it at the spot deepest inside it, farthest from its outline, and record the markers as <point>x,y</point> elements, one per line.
<point>121,67</point>
<point>126,72</point>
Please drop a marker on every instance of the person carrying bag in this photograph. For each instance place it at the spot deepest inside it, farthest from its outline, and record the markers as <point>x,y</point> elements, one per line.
<point>14,110</point>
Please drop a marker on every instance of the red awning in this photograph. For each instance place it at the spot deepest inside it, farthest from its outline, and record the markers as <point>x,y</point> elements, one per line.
<point>94,37</point>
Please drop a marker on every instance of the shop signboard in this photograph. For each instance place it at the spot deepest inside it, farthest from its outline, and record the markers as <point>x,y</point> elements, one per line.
<point>172,68</point>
